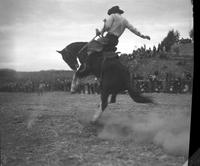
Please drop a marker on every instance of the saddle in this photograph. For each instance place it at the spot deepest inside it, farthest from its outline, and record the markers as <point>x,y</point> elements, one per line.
<point>110,55</point>
<point>100,45</point>
<point>95,46</point>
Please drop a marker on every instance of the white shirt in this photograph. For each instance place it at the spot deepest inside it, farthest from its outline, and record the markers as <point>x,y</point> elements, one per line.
<point>116,24</point>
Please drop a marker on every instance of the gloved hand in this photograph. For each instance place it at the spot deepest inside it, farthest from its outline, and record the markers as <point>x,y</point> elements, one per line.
<point>98,33</point>
<point>147,37</point>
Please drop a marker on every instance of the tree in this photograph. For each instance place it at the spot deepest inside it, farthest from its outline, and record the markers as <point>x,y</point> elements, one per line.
<point>191,33</point>
<point>171,38</point>
<point>185,41</point>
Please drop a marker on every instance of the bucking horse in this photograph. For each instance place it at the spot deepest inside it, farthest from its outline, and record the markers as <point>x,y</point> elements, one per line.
<point>113,75</point>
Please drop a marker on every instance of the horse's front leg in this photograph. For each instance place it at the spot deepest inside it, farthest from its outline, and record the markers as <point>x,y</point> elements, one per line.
<point>75,82</point>
<point>103,105</point>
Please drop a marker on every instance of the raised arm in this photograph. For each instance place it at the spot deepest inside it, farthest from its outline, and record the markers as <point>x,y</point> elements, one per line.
<point>135,31</point>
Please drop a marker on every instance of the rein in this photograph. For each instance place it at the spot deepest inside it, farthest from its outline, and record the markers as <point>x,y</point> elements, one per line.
<point>83,48</point>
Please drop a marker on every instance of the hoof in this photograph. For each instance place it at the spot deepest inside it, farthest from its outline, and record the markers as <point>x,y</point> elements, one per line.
<point>73,92</point>
<point>95,119</point>
<point>95,123</point>
<point>96,116</point>
<point>92,122</point>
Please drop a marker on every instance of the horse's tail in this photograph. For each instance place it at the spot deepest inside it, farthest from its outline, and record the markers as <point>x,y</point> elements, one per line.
<point>137,96</point>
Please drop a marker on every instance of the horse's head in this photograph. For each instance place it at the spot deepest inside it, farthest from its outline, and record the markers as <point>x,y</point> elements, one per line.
<point>70,59</point>
<point>71,52</point>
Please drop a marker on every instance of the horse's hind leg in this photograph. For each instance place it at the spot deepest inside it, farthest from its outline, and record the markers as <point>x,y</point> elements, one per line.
<point>103,105</point>
<point>113,98</point>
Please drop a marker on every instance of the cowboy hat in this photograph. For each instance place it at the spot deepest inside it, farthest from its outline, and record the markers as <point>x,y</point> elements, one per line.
<point>115,9</point>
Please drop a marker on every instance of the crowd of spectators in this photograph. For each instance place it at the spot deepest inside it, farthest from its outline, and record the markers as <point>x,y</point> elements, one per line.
<point>28,85</point>
<point>153,83</point>
<point>42,85</point>
<point>167,84</point>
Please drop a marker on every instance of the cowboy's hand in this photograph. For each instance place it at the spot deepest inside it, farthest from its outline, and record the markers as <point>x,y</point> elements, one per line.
<point>98,33</point>
<point>147,37</point>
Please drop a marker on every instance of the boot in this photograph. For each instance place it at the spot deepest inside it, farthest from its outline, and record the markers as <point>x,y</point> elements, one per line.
<point>86,66</point>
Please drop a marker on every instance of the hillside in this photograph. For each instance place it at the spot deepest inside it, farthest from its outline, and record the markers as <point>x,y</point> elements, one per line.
<point>8,75</point>
<point>143,67</point>
<point>147,66</point>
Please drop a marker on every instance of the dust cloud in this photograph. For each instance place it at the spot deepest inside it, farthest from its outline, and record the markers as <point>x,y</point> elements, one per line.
<point>169,131</point>
<point>32,119</point>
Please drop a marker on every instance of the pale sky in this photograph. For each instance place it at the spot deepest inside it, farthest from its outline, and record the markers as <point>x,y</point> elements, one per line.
<point>32,30</point>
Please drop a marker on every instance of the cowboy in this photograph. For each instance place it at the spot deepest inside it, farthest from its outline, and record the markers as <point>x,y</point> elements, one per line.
<point>114,25</point>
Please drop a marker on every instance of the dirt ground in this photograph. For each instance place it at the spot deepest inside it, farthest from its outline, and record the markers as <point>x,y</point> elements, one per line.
<point>53,129</point>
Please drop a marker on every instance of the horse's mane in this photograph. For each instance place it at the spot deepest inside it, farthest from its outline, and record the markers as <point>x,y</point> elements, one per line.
<point>75,46</point>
